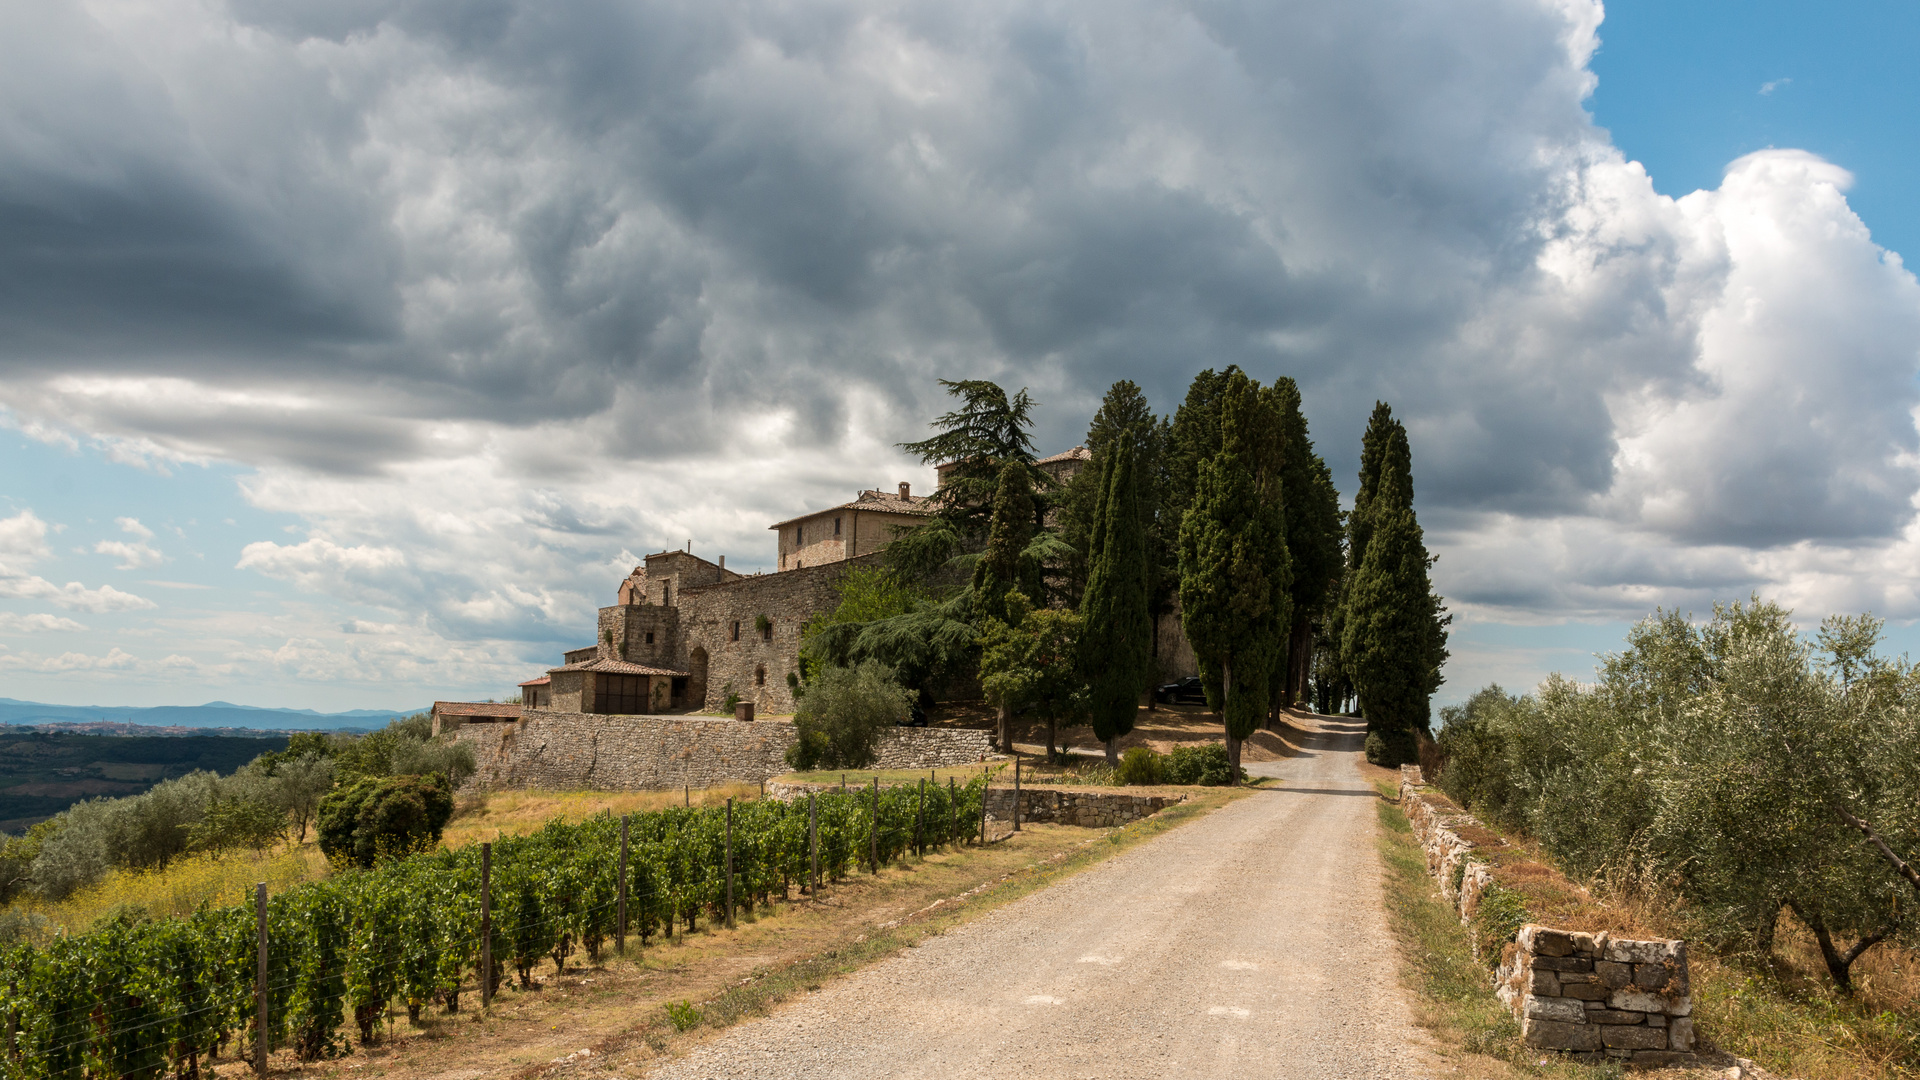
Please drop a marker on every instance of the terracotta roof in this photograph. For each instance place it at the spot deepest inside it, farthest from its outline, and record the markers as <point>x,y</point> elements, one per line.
<point>541,681</point>
<point>609,666</point>
<point>477,708</point>
<point>1078,453</point>
<point>885,502</point>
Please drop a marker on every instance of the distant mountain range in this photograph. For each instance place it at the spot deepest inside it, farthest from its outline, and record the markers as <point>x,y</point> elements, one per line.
<point>214,714</point>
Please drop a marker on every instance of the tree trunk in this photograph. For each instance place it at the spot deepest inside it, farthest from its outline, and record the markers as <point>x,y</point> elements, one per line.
<point>1051,723</point>
<point>1300,660</point>
<point>1840,964</point>
<point>1113,752</point>
<point>1004,720</point>
<point>1226,695</point>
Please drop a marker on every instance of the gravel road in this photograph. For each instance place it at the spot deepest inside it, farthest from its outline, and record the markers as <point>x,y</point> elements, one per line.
<point>1248,943</point>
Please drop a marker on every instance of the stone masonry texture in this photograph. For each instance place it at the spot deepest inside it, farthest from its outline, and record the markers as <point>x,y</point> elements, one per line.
<point>591,751</point>
<point>1583,993</point>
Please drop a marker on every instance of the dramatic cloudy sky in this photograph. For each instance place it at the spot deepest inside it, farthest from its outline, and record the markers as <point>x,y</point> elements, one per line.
<point>351,350</point>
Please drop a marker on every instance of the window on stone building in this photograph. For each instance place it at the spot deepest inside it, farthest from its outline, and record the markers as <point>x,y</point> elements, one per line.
<point>736,629</point>
<point>649,637</point>
<point>766,630</point>
<point>760,675</point>
<point>836,526</point>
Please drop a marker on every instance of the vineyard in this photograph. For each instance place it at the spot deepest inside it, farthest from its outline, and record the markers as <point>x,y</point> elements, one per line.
<point>135,999</point>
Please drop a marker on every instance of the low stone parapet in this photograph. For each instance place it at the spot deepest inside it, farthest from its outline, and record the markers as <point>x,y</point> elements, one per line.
<point>1089,809</point>
<point>1578,992</point>
<point>1594,994</point>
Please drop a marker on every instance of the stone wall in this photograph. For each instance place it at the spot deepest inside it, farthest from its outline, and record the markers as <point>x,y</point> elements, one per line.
<point>574,751</point>
<point>1579,992</point>
<point>755,667</point>
<point>1090,809</point>
<point>932,748</point>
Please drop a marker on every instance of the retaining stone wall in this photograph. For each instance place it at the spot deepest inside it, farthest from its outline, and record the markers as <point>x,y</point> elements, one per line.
<point>572,751</point>
<point>1584,993</point>
<point>1075,806</point>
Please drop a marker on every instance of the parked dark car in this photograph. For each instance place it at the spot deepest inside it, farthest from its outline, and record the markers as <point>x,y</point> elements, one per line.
<point>1187,691</point>
<point>916,717</point>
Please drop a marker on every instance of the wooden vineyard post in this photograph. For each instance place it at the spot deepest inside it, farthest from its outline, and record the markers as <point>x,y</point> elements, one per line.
<point>986,781</point>
<point>1016,794</point>
<point>873,829</point>
<point>729,863</point>
<point>620,919</point>
<point>260,981</point>
<point>919,816</point>
<point>953,814</point>
<point>763,789</point>
<point>687,791</point>
<point>843,783</point>
<point>813,841</point>
<point>486,925</point>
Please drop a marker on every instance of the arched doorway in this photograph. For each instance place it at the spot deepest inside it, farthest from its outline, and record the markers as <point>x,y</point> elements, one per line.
<point>697,680</point>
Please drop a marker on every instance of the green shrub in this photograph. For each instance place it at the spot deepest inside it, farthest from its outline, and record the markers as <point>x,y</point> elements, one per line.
<point>237,822</point>
<point>844,711</point>
<point>1140,765</point>
<point>1392,749</point>
<point>378,818</point>
<point>1204,765</point>
<point>1498,919</point>
<point>683,1015</point>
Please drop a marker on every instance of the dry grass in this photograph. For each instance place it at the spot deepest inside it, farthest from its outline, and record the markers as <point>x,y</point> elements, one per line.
<point>180,887</point>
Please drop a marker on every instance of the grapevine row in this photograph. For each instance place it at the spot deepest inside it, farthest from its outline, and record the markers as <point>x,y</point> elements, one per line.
<point>137,998</point>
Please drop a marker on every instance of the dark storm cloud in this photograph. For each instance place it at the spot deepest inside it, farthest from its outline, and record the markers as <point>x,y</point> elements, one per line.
<point>567,237</point>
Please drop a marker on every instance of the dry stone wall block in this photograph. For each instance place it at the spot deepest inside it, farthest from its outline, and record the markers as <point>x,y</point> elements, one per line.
<point>1573,991</point>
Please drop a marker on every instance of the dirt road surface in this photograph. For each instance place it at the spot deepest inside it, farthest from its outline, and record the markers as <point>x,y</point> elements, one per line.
<point>1250,943</point>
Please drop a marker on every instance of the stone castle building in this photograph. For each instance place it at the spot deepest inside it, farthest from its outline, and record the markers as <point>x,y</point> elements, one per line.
<point>685,634</point>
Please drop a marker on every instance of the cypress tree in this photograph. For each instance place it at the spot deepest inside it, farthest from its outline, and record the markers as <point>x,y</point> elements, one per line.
<point>1008,531</point>
<point>1394,634</point>
<point>1116,639</point>
<point>1235,576</point>
<point>1313,538</point>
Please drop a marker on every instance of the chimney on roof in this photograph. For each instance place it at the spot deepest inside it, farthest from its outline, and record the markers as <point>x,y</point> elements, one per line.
<point>723,562</point>
<point>906,489</point>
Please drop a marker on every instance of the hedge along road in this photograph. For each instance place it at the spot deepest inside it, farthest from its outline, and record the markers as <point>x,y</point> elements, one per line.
<point>1251,942</point>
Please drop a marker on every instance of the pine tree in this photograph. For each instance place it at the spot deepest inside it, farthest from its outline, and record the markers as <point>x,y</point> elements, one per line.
<point>1313,538</point>
<point>1234,572</point>
<point>1116,641</point>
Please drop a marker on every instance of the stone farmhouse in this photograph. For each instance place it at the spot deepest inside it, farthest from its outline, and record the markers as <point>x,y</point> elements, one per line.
<point>685,634</point>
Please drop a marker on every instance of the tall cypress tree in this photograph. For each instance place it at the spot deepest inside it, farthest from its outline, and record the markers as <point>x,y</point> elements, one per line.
<point>1116,639</point>
<point>1313,538</point>
<point>1234,573</point>
<point>1008,532</point>
<point>1393,640</point>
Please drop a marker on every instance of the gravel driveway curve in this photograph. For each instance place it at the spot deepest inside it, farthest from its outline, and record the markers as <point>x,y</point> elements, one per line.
<point>1248,943</point>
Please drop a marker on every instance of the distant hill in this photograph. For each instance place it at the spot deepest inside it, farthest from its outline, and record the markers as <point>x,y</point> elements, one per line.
<point>43,773</point>
<point>182,719</point>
